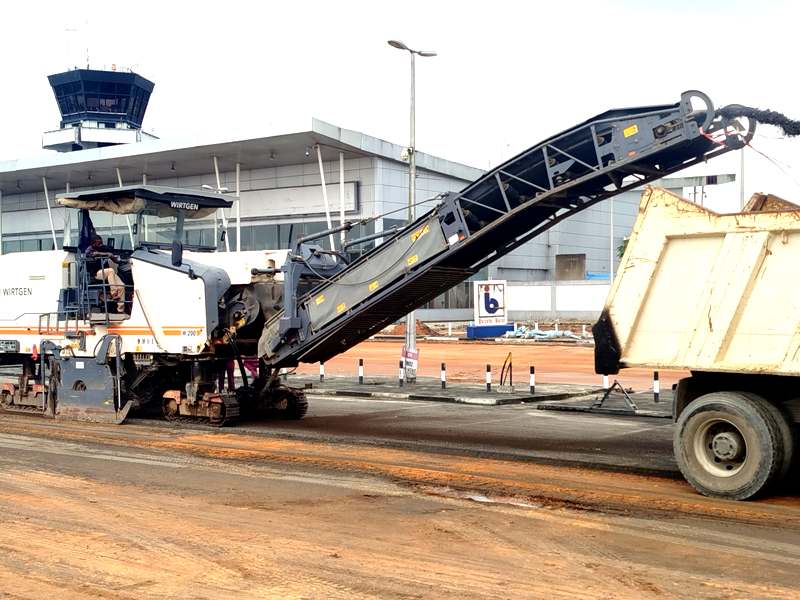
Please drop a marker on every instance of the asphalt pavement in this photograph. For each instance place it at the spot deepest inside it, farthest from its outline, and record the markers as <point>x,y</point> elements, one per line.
<point>516,431</point>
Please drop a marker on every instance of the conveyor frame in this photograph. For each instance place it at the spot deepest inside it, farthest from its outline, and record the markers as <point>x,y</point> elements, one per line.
<point>509,205</point>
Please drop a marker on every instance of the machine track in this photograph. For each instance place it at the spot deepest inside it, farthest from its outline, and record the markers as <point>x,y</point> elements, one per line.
<point>230,414</point>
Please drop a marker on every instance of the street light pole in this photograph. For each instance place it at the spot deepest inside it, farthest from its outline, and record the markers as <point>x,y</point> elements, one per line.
<point>412,159</point>
<point>410,347</point>
<point>411,318</point>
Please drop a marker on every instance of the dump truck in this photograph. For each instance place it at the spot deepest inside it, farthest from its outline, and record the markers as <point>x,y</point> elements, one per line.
<point>714,294</point>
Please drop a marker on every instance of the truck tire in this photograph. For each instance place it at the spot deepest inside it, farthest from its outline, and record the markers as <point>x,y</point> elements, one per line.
<point>729,445</point>
<point>784,428</point>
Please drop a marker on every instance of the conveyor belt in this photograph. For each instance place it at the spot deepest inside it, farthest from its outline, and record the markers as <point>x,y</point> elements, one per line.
<point>506,207</point>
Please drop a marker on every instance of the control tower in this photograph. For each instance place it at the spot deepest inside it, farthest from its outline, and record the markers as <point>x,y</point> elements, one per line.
<point>98,108</point>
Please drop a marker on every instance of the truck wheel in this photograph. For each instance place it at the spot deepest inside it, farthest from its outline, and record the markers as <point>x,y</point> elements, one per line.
<point>728,445</point>
<point>785,430</point>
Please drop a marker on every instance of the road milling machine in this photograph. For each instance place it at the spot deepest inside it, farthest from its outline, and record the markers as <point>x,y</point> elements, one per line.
<point>88,350</point>
<point>158,330</point>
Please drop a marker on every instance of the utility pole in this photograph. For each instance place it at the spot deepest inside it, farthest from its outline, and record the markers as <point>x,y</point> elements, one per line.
<point>741,179</point>
<point>611,241</point>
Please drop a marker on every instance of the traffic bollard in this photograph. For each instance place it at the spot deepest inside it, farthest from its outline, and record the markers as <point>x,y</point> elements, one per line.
<point>401,374</point>
<point>656,387</point>
<point>444,376</point>
<point>488,378</point>
<point>360,371</point>
<point>533,380</point>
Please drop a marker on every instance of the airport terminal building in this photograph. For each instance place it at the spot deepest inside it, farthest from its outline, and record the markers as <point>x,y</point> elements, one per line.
<point>278,186</point>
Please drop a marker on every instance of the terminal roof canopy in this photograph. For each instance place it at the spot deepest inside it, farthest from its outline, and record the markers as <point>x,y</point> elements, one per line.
<point>170,161</point>
<point>132,199</point>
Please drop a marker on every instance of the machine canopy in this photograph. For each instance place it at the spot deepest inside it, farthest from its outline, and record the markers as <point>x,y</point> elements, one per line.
<point>149,199</point>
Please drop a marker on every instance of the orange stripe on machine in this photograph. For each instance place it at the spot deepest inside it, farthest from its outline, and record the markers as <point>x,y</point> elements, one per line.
<point>185,331</point>
<point>130,331</point>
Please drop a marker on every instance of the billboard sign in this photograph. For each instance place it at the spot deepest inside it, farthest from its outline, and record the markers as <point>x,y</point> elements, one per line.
<point>490,302</point>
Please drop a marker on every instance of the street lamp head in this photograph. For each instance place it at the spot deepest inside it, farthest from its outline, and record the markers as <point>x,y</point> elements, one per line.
<point>401,46</point>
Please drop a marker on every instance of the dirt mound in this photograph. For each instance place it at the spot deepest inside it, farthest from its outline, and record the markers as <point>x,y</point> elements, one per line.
<point>400,329</point>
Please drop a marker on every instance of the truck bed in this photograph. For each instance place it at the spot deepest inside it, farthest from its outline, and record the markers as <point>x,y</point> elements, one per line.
<point>704,291</point>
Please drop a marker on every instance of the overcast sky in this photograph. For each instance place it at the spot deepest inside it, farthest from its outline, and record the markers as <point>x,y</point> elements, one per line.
<point>508,74</point>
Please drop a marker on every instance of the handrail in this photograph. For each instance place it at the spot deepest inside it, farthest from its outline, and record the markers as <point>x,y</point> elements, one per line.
<point>104,285</point>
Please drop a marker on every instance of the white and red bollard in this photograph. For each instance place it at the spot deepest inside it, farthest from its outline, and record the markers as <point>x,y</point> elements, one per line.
<point>321,371</point>
<point>401,374</point>
<point>656,387</point>
<point>533,380</point>
<point>360,371</point>
<point>488,378</point>
<point>444,376</point>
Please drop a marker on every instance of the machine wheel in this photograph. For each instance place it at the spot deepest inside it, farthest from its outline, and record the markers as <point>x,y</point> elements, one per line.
<point>296,404</point>
<point>729,444</point>
<point>170,409</point>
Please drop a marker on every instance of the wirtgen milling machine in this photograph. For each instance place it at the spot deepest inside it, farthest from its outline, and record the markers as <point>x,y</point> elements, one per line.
<point>93,349</point>
<point>185,314</point>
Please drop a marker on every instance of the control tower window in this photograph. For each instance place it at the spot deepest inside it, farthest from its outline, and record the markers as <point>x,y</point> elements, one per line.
<point>85,94</point>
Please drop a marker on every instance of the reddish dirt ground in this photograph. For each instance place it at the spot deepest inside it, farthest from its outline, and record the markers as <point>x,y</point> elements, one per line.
<point>145,512</point>
<point>466,361</point>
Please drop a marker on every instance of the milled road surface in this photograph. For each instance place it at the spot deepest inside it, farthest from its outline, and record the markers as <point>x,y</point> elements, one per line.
<point>306,510</point>
<point>643,445</point>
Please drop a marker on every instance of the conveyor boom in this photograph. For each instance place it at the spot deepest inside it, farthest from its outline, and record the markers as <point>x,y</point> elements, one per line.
<point>506,207</point>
